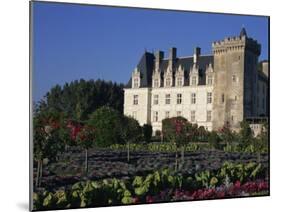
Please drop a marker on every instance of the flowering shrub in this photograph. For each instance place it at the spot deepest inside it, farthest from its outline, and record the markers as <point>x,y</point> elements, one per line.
<point>74,128</point>
<point>82,135</point>
<point>47,139</point>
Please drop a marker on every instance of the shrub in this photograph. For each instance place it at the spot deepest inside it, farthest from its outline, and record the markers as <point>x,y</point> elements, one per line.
<point>147,132</point>
<point>214,140</point>
<point>174,130</point>
<point>107,123</point>
<point>131,131</point>
<point>245,133</point>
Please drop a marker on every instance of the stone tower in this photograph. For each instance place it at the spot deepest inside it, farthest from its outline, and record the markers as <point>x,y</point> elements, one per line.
<point>236,75</point>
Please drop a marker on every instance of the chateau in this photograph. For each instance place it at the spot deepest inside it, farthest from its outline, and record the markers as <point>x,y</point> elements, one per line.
<point>211,90</point>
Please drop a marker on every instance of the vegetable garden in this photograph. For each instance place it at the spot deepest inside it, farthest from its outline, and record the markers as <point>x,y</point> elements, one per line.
<point>109,159</point>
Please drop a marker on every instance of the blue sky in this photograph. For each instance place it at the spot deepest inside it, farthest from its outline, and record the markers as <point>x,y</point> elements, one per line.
<point>73,41</point>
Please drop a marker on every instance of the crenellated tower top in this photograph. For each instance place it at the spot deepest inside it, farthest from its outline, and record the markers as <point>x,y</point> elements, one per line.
<point>236,43</point>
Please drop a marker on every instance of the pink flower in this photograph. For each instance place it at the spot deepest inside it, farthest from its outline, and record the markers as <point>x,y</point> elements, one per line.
<point>149,199</point>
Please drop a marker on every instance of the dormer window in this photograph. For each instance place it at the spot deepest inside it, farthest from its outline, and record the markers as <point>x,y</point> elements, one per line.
<point>156,83</point>
<point>209,75</point>
<point>168,82</point>
<point>136,83</point>
<point>179,76</point>
<point>179,81</point>
<point>193,80</point>
<point>209,80</point>
<point>136,78</point>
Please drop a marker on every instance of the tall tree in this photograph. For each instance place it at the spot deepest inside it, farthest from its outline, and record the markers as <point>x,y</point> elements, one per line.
<point>77,99</point>
<point>107,124</point>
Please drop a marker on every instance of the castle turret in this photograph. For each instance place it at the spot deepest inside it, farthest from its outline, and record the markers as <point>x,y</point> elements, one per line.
<point>235,65</point>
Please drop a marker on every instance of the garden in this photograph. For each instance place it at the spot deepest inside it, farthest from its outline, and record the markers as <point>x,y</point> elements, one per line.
<point>102,158</point>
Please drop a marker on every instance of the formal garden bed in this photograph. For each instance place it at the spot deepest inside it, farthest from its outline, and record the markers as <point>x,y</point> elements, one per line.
<point>230,180</point>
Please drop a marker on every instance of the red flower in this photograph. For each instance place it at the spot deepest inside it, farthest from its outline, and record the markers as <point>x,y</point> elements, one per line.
<point>74,129</point>
<point>178,126</point>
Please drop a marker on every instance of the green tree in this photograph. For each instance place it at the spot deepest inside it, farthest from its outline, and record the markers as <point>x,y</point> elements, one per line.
<point>107,123</point>
<point>245,133</point>
<point>226,135</point>
<point>201,133</point>
<point>147,132</point>
<point>175,131</point>
<point>214,139</point>
<point>77,99</point>
<point>131,132</point>
<point>85,139</point>
<point>261,142</point>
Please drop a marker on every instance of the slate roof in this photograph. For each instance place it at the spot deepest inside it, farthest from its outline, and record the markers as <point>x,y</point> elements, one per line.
<point>146,66</point>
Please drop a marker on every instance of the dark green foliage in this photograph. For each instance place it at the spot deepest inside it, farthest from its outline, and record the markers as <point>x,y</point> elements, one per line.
<point>131,130</point>
<point>80,98</point>
<point>201,134</point>
<point>174,130</point>
<point>227,136</point>
<point>245,133</point>
<point>158,133</point>
<point>214,140</point>
<point>261,142</point>
<point>107,124</point>
<point>147,132</point>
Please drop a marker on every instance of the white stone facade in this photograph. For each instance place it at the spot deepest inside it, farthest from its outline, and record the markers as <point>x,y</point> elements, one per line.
<point>209,90</point>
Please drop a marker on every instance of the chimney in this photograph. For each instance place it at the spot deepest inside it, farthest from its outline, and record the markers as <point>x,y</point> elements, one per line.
<point>196,54</point>
<point>159,55</point>
<point>172,56</point>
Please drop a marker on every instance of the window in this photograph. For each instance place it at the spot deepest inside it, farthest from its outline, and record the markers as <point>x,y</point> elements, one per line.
<point>193,98</point>
<point>209,115</point>
<point>210,80</point>
<point>168,82</point>
<point>136,101</point>
<point>235,98</point>
<point>232,119</point>
<point>168,99</point>
<point>234,79</point>
<point>178,113</point>
<point>155,100</point>
<point>156,83</point>
<point>193,80</point>
<point>209,97</point>
<point>167,114</point>
<point>155,116</point>
<point>222,98</point>
<point>136,82</point>
<point>179,81</point>
<point>192,116</point>
<point>179,99</point>
<point>134,114</point>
